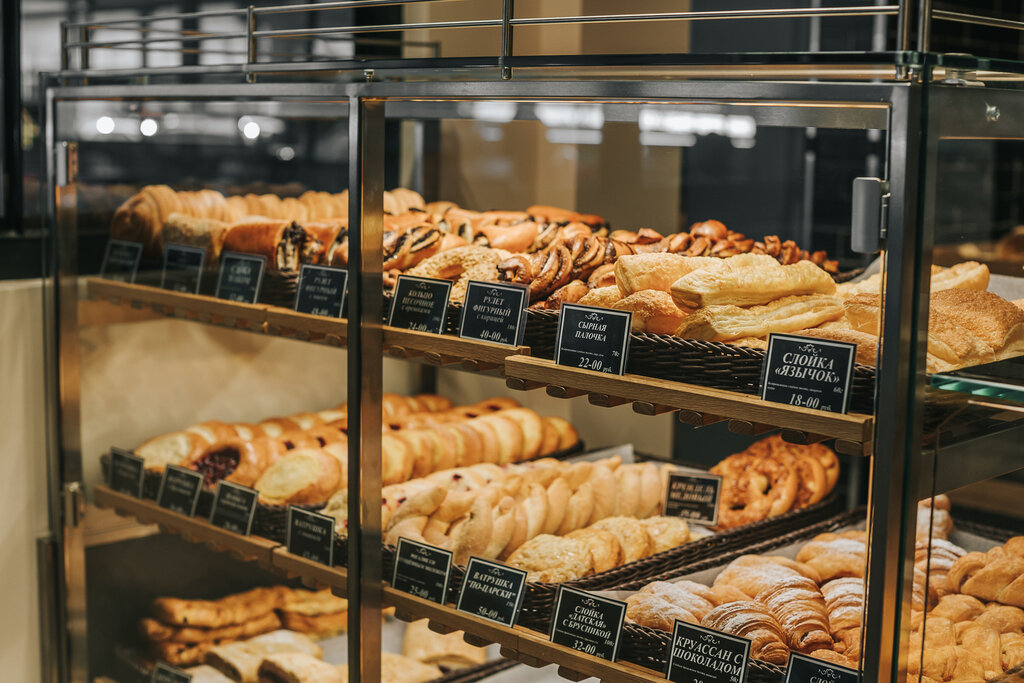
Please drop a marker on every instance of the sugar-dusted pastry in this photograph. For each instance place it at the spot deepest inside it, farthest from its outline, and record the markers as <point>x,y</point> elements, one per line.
<point>298,667</point>
<point>788,314</point>
<point>750,286</point>
<point>844,600</point>
<point>552,559</point>
<point>835,555</point>
<point>448,651</point>
<point>241,661</point>
<point>660,604</point>
<point>797,604</point>
<point>751,620</point>
<point>754,573</point>
<point>667,532</point>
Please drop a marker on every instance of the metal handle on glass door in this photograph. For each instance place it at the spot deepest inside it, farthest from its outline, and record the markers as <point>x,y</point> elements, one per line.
<point>868,219</point>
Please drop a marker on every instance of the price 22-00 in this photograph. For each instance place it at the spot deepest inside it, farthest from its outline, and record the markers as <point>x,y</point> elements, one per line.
<point>595,364</point>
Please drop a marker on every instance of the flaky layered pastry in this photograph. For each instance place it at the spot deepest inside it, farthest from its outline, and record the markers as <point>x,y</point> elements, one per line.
<point>735,284</point>
<point>789,314</point>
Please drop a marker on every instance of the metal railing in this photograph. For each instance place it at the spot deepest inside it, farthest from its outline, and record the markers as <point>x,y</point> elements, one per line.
<point>254,29</point>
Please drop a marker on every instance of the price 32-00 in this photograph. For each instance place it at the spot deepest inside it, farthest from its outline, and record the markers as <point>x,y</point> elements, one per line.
<point>805,401</point>
<point>588,648</point>
<point>595,364</point>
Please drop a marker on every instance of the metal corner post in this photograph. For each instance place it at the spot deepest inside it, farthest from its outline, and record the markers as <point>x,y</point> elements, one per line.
<point>365,370</point>
<point>895,468</point>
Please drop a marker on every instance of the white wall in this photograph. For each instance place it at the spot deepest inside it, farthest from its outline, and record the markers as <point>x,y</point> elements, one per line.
<point>23,507</point>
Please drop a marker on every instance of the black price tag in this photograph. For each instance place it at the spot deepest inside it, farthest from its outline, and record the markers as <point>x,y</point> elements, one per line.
<point>420,304</point>
<point>588,623</point>
<point>183,268</point>
<point>234,506</point>
<point>494,312</point>
<point>310,535</point>
<point>240,278</point>
<point>593,338</point>
<point>422,570</point>
<point>806,372</point>
<point>700,655</point>
<point>121,260</point>
<point>321,290</point>
<point>802,669</point>
<point>693,496</point>
<point>492,591</point>
<point>163,673</point>
<point>126,472</point>
<point>179,490</point>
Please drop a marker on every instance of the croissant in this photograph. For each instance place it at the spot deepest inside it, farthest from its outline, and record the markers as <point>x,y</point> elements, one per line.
<point>751,620</point>
<point>835,555</point>
<point>797,604</point>
<point>844,600</point>
<point>753,574</point>
<point>994,576</point>
<point>984,645</point>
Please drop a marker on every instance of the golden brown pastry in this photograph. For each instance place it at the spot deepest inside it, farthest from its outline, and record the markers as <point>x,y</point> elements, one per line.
<point>241,661</point>
<point>984,646</point>
<point>660,604</point>
<point>655,271</point>
<point>1012,646</point>
<point>633,537</point>
<point>653,311</point>
<point>154,630</point>
<point>181,654</point>
<point>318,613</point>
<point>233,609</point>
<point>844,600</point>
<point>867,344</point>
<point>205,233</point>
<point>788,314</point>
<point>933,518</point>
<point>552,559</point>
<point>752,574</point>
<point>753,621</point>
<point>749,286</point>
<point>797,604</point>
<point>835,555</point>
<point>996,576</point>
<point>298,667</point>
<point>301,476</point>
<point>1003,618</point>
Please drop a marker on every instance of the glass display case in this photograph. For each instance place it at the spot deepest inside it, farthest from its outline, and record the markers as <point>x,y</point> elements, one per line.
<point>649,359</point>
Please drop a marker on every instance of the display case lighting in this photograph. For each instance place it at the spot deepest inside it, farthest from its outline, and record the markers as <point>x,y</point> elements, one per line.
<point>104,125</point>
<point>148,127</point>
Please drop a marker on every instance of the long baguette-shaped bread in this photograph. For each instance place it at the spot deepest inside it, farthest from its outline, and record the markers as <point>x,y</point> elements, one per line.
<point>748,286</point>
<point>789,314</point>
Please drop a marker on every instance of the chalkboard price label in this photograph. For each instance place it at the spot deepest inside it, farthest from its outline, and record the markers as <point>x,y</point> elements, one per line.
<point>321,290</point>
<point>121,260</point>
<point>593,338</point>
<point>807,372</point>
<point>422,570</point>
<point>802,669</point>
<point>700,655</point>
<point>310,535</point>
<point>240,277</point>
<point>492,591</point>
<point>494,312</point>
<point>420,304</point>
<point>588,623</point>
<point>126,472</point>
<point>693,496</point>
<point>234,506</point>
<point>164,673</point>
<point>183,268</point>
<point>179,490</point>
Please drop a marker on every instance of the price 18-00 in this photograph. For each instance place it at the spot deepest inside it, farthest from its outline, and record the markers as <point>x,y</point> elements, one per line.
<point>592,364</point>
<point>805,401</point>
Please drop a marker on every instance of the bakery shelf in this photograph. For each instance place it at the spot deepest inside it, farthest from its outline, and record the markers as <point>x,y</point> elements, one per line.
<point>205,309</point>
<point>313,574</point>
<point>192,529</point>
<point>524,645</point>
<point>448,351</point>
<point>696,405</point>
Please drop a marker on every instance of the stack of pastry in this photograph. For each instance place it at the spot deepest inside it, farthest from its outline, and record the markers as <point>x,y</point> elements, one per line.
<point>772,477</point>
<point>302,458</point>
<point>181,632</point>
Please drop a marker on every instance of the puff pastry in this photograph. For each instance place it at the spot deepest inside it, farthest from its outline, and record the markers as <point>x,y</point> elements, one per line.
<point>653,311</point>
<point>234,609</point>
<point>241,661</point>
<point>753,621</point>
<point>637,272</point>
<point>298,667</point>
<point>156,631</point>
<point>750,286</point>
<point>789,314</point>
<point>448,651</point>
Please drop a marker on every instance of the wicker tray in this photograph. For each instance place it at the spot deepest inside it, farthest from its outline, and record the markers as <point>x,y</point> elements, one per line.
<point>539,601</point>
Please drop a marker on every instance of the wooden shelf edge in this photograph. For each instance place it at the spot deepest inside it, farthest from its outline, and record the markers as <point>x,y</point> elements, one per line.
<point>192,529</point>
<point>442,349</point>
<point>312,573</point>
<point>654,396</point>
<point>516,642</point>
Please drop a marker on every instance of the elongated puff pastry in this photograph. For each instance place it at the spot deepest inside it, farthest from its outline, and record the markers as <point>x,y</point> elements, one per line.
<point>789,314</point>
<point>751,620</point>
<point>298,667</point>
<point>241,661</point>
<point>233,609</point>
<point>155,630</point>
<point>653,311</point>
<point>448,651</point>
<point>635,273</point>
<point>750,286</point>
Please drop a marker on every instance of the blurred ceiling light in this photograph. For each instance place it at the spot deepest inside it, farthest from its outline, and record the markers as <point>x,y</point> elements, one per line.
<point>679,128</point>
<point>148,127</point>
<point>571,115</point>
<point>495,112</point>
<point>104,125</point>
<point>286,153</point>
<point>251,130</point>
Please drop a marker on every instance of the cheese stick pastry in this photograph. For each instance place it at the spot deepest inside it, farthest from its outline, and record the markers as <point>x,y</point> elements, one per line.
<point>750,286</point>
<point>789,314</point>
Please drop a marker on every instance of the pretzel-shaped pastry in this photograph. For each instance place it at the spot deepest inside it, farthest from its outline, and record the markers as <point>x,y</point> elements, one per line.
<point>754,488</point>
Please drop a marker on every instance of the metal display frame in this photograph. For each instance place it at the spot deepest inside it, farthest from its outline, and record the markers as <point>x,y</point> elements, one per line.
<point>915,111</point>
